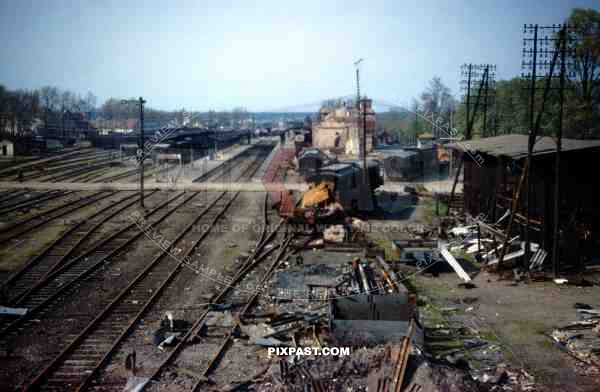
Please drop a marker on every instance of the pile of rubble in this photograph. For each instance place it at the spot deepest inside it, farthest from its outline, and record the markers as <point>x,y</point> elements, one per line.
<point>487,244</point>
<point>581,338</point>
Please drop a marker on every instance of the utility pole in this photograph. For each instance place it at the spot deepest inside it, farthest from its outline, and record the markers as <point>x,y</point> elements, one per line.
<point>215,142</point>
<point>361,152</point>
<point>363,137</point>
<point>140,102</point>
<point>211,125</point>
<point>468,136</point>
<point>484,76</point>
<point>480,73</point>
<point>530,144</point>
<point>62,122</point>
<point>141,143</point>
<point>535,119</point>
<point>485,103</point>
<point>556,234</point>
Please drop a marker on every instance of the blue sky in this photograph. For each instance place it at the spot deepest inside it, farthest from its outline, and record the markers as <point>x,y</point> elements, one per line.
<point>264,55</point>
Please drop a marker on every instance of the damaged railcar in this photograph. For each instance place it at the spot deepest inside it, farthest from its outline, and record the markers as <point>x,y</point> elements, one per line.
<point>402,165</point>
<point>349,186</point>
<point>310,160</point>
<point>409,164</point>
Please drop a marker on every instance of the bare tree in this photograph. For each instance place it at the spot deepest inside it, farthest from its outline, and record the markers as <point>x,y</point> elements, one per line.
<point>437,101</point>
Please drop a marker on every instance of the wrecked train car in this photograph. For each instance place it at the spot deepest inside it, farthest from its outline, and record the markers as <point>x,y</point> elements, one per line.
<point>348,185</point>
<point>402,165</point>
<point>310,160</point>
<point>409,164</point>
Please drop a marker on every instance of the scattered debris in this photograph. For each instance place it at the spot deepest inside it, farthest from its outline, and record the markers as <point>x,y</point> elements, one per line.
<point>462,230</point>
<point>268,342</point>
<point>13,311</point>
<point>136,384</point>
<point>130,363</point>
<point>581,340</point>
<point>335,233</point>
<point>537,260</point>
<point>454,264</point>
<point>170,340</point>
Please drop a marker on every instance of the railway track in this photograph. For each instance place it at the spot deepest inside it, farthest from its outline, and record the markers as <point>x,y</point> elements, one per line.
<point>226,168</point>
<point>78,363</point>
<point>68,245</point>
<point>48,161</point>
<point>19,200</point>
<point>18,204</point>
<point>94,381</point>
<point>58,282</point>
<point>29,224</point>
<point>196,334</point>
<point>71,174</point>
<point>47,167</point>
<point>67,168</point>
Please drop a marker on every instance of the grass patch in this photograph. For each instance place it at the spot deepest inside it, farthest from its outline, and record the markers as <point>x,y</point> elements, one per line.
<point>15,255</point>
<point>433,316</point>
<point>388,249</point>
<point>462,254</point>
<point>525,331</point>
<point>231,252</point>
<point>432,211</point>
<point>432,287</point>
<point>411,284</point>
<point>488,335</point>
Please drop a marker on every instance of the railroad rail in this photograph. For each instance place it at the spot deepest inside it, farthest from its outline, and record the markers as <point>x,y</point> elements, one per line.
<point>83,358</point>
<point>194,334</point>
<point>29,224</point>
<point>56,283</point>
<point>17,205</point>
<point>69,166</point>
<point>53,160</point>
<point>219,172</point>
<point>64,247</point>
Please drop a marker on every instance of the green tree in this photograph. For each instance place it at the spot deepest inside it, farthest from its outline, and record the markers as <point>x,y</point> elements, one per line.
<point>585,44</point>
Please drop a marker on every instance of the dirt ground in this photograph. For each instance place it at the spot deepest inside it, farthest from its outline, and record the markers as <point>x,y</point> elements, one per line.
<point>517,318</point>
<point>520,319</point>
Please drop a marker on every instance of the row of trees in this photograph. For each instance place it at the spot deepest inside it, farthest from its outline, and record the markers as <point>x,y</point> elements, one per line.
<point>113,113</point>
<point>435,107</point>
<point>510,110</point>
<point>20,108</point>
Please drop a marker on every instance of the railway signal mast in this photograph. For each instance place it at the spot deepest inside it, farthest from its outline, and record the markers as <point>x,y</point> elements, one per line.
<point>141,158</point>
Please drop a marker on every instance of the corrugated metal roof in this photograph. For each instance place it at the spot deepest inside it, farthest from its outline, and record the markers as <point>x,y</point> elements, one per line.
<point>515,146</point>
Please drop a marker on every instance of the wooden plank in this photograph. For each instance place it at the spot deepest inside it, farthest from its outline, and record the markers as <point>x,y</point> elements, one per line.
<point>402,359</point>
<point>454,264</point>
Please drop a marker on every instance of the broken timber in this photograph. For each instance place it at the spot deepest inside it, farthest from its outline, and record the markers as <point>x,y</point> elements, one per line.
<point>454,264</point>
